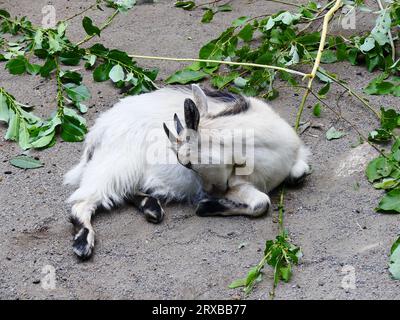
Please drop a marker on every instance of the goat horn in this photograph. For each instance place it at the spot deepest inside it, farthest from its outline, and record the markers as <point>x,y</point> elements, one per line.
<point>178,124</point>
<point>169,134</point>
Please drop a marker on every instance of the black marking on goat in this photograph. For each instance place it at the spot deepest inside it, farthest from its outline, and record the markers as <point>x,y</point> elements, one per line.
<point>216,206</point>
<point>76,222</point>
<point>210,207</point>
<point>240,105</point>
<point>81,245</point>
<point>237,103</point>
<point>150,207</point>
<point>192,115</point>
<point>152,210</point>
<point>90,153</point>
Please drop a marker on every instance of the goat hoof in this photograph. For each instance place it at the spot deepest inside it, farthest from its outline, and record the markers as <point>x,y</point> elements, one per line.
<point>209,207</point>
<point>83,244</point>
<point>153,211</point>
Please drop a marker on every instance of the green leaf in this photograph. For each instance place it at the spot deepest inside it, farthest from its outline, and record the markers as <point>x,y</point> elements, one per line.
<point>240,82</point>
<point>73,126</point>
<point>186,76</point>
<point>4,13</point>
<point>48,67</point>
<point>394,264</point>
<point>186,5</point>
<point>117,73</point>
<point>238,283</point>
<point>16,65</point>
<point>123,5</point>
<point>368,45</point>
<point>77,93</point>
<point>224,8</point>
<point>33,68</point>
<point>23,135</point>
<point>380,135</point>
<point>317,110</point>
<point>328,56</point>
<point>390,119</point>
<point>332,133</point>
<point>221,81</point>
<point>390,202</point>
<point>89,27</point>
<point>13,127</point>
<point>38,39</point>
<point>4,112</point>
<point>324,90</point>
<point>43,141</point>
<point>207,16</point>
<point>252,275</point>
<point>246,33</point>
<point>382,27</point>
<point>70,58</point>
<point>25,162</point>
<point>71,76</point>
<point>239,21</point>
<point>378,168</point>
<point>285,273</point>
<point>54,43</point>
<point>101,73</point>
<point>388,183</point>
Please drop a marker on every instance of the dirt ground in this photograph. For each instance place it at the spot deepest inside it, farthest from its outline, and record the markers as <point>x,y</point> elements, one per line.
<point>331,216</point>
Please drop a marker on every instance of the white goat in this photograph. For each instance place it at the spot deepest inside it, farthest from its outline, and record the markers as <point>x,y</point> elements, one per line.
<point>124,158</point>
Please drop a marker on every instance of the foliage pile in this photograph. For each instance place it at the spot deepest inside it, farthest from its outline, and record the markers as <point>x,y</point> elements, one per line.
<point>45,51</point>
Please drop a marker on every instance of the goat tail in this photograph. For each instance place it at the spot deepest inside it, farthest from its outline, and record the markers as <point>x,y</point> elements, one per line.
<point>301,167</point>
<point>73,176</point>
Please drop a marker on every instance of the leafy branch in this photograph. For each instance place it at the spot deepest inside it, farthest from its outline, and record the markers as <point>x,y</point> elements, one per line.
<point>53,47</point>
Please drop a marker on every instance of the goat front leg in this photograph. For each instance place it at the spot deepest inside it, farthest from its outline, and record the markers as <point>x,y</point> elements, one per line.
<point>81,219</point>
<point>241,199</point>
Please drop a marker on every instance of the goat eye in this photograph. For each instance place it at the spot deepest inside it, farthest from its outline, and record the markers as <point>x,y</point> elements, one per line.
<point>189,165</point>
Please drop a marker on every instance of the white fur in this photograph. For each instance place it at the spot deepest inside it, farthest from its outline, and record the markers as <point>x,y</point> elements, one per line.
<point>119,168</point>
<point>114,164</point>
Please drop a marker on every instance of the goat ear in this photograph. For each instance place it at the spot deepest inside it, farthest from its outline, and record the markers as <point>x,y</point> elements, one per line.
<point>169,134</point>
<point>200,99</point>
<point>192,115</point>
<point>178,124</point>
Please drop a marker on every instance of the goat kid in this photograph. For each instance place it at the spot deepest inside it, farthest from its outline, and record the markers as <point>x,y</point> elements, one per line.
<point>125,157</point>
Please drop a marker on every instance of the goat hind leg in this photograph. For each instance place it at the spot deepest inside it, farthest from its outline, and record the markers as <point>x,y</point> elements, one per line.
<point>300,169</point>
<point>150,206</point>
<point>242,199</point>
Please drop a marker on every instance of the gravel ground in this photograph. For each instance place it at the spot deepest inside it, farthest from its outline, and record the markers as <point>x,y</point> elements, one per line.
<point>331,216</point>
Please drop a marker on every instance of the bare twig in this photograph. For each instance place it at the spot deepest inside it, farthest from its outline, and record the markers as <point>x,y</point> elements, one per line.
<point>287,3</point>
<point>245,64</point>
<point>80,13</point>
<point>352,92</point>
<point>207,3</point>
<point>313,73</point>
